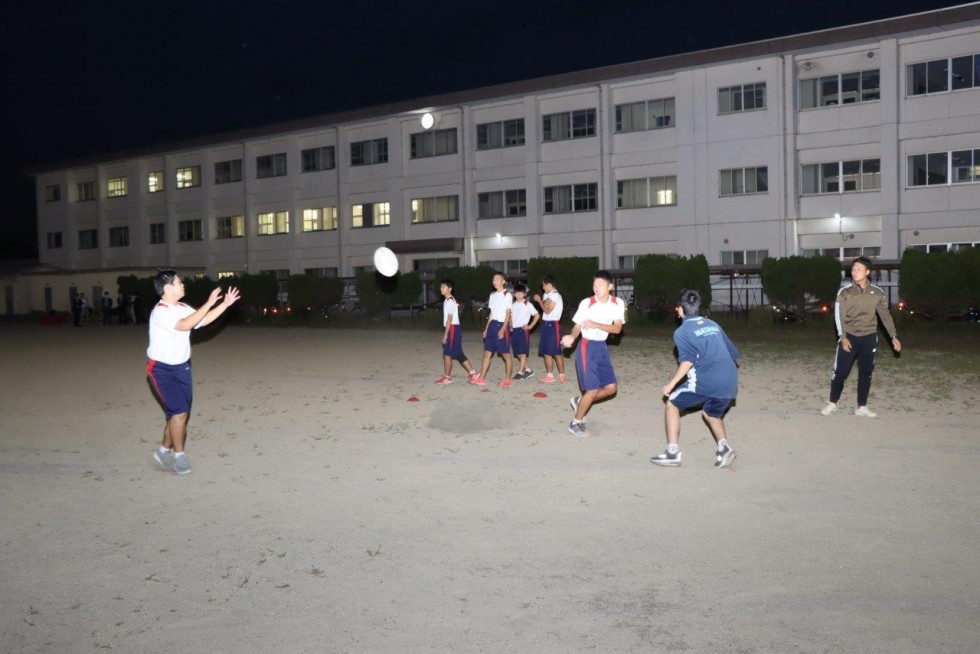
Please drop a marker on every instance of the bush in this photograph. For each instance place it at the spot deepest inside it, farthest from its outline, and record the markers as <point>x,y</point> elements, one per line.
<point>658,281</point>
<point>793,282</point>
<point>940,285</point>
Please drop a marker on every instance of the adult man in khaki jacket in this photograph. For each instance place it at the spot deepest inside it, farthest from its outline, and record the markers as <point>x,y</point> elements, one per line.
<point>858,307</point>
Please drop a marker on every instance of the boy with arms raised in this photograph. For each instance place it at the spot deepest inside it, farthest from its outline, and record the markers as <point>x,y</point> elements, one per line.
<point>596,318</point>
<point>169,368</point>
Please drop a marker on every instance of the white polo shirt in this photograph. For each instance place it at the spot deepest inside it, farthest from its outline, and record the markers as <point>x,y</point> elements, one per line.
<point>603,313</point>
<point>450,311</point>
<point>167,343</point>
<point>521,312</point>
<point>499,303</point>
<point>555,313</point>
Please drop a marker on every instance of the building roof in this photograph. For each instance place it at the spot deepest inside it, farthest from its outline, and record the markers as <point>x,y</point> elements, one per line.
<point>868,31</point>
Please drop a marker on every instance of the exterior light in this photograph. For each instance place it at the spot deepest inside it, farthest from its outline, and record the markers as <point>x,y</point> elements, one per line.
<point>427,120</point>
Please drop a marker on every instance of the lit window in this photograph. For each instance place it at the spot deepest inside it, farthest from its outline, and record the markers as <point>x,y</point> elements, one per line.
<point>116,187</point>
<point>273,222</point>
<point>189,177</point>
<point>318,220</point>
<point>154,182</point>
<point>434,210</point>
<point>373,214</point>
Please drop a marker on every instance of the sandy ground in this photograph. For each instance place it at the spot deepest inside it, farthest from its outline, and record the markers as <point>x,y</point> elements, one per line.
<point>326,513</point>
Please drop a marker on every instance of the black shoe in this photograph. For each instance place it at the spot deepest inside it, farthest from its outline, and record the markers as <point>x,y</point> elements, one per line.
<point>667,459</point>
<point>724,457</point>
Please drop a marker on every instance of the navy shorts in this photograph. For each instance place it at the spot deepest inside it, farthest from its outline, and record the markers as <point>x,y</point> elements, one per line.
<point>520,341</point>
<point>714,407</point>
<point>550,344</point>
<point>493,344</point>
<point>593,366</point>
<point>453,347</point>
<point>173,386</point>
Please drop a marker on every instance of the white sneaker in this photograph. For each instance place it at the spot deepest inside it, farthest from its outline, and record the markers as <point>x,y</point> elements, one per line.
<point>865,412</point>
<point>830,408</point>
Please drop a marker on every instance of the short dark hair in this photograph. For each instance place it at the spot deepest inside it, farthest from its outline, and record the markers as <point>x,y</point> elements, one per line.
<point>520,288</point>
<point>690,301</point>
<point>603,274</point>
<point>163,277</point>
<point>864,261</point>
<point>448,282</point>
<point>548,279</point>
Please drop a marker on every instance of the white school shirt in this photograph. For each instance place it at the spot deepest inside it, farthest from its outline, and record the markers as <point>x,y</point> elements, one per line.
<point>167,343</point>
<point>555,313</point>
<point>603,313</point>
<point>521,312</point>
<point>450,311</point>
<point>499,303</point>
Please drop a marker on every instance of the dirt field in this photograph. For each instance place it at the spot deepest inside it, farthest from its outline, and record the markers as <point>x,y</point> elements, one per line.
<point>326,513</point>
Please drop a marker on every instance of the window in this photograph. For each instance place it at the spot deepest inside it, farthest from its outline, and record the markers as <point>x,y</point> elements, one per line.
<point>843,252</point>
<point>88,239</point>
<point>433,265</point>
<point>190,230</point>
<point>841,176</point>
<point>158,233</point>
<point>942,75</point>
<point>52,193</point>
<point>273,222</point>
<point>85,192</point>
<point>54,240</point>
<point>315,159</point>
<point>366,153</point>
<point>641,116</point>
<point>568,125</point>
<point>228,274</point>
<point>189,177</point>
<point>965,166</point>
<point>739,181</point>
<point>116,187</point>
<point>371,214</point>
<point>318,220</point>
<point>322,272</point>
<point>444,208</point>
<point>628,261</point>
<point>927,169</point>
<point>508,266</point>
<point>154,182</point>
<point>503,134</point>
<point>746,97</point>
<point>229,227</point>
<point>270,165</point>
<point>226,172</point>
<point>119,237</point>
<point>743,257</point>
<point>434,143</point>
<point>846,88</point>
<point>570,199</point>
<point>502,204</point>
<point>649,192</point>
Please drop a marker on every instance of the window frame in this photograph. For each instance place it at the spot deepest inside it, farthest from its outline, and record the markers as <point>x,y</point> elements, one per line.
<point>742,92</point>
<point>323,219</point>
<point>225,227</point>
<point>568,125</point>
<point>188,177</point>
<point>190,230</point>
<point>272,165</point>
<point>229,171</point>
<point>318,159</point>
<point>272,223</point>
<point>370,152</point>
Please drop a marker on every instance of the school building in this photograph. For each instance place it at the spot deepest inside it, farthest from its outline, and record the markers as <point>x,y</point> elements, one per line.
<point>859,140</point>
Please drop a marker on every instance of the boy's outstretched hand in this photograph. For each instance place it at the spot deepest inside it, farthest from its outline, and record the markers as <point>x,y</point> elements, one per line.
<point>231,296</point>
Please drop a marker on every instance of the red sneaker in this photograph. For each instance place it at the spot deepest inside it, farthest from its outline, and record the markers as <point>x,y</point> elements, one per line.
<point>548,379</point>
<point>504,384</point>
<point>445,379</point>
<point>477,380</point>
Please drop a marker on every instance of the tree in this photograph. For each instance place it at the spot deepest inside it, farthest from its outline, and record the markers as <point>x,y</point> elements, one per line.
<point>940,285</point>
<point>795,281</point>
<point>658,281</point>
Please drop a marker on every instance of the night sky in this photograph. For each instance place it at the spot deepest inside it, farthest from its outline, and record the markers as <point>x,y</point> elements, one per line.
<point>87,78</point>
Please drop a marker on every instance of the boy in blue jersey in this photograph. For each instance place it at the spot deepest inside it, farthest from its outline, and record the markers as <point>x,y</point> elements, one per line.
<point>706,357</point>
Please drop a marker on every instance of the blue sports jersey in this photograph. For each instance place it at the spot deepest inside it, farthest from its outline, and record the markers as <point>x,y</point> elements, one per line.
<point>705,344</point>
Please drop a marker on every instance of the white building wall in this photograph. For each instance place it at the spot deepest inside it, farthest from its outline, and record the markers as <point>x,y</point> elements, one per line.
<point>698,144</point>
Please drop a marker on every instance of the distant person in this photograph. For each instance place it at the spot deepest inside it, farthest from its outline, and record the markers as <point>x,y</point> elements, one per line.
<point>452,335</point>
<point>106,308</point>
<point>523,318</point>
<point>549,347</point>
<point>131,306</point>
<point>706,358</point>
<point>121,311</point>
<point>496,334</point>
<point>169,353</point>
<point>596,318</point>
<point>76,310</point>
<point>859,306</point>
<point>85,308</point>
